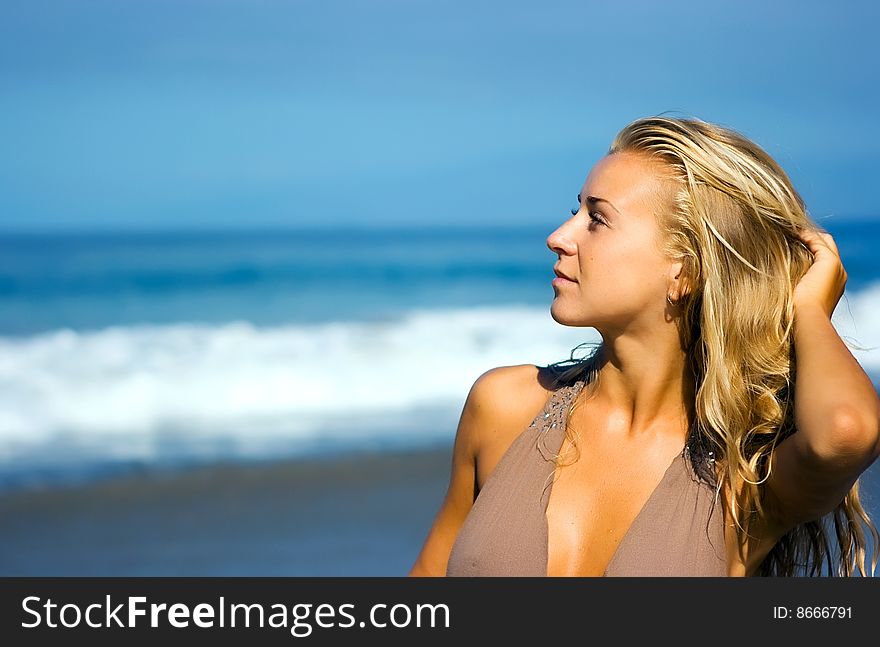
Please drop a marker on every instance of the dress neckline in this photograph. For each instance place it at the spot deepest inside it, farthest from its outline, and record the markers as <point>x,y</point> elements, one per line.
<point>574,390</point>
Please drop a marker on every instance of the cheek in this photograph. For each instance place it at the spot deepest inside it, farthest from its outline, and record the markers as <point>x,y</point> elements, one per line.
<point>625,272</point>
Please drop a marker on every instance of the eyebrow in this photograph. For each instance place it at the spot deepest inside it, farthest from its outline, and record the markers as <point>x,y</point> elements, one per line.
<point>592,200</point>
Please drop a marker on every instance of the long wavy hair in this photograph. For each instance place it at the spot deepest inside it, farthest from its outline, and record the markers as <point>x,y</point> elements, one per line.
<point>732,215</point>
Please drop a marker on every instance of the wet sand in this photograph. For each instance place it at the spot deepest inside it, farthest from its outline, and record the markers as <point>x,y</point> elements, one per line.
<point>362,514</point>
<point>365,514</point>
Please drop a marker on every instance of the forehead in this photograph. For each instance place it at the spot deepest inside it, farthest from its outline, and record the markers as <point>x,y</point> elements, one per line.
<point>631,182</point>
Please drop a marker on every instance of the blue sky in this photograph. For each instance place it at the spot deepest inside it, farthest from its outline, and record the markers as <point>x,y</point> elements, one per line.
<point>250,113</point>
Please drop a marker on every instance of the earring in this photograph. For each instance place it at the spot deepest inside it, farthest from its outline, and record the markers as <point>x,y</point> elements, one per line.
<point>669,301</point>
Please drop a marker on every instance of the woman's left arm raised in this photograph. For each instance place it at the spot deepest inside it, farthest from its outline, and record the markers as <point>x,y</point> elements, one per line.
<point>837,410</point>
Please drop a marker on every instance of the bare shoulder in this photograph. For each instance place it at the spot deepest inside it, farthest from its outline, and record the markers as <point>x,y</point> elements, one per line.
<point>509,398</point>
<point>501,403</point>
<point>506,399</point>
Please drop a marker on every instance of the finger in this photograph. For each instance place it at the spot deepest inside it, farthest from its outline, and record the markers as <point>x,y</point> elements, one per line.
<point>810,239</point>
<point>829,240</point>
<point>824,242</point>
<point>817,242</point>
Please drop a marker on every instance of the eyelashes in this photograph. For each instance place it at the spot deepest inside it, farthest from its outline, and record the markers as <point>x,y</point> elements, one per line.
<point>592,216</point>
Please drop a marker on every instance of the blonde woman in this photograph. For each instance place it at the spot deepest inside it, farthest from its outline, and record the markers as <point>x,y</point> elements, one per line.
<point>721,426</point>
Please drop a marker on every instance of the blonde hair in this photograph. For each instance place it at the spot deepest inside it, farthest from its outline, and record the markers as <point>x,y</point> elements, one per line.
<point>732,215</point>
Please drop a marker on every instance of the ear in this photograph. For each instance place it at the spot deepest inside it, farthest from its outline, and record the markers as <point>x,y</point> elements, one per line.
<point>678,284</point>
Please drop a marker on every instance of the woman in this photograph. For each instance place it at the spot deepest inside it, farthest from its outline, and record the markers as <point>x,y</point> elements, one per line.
<point>721,426</point>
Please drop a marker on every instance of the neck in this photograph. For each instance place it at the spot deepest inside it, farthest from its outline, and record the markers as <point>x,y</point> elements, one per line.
<point>647,386</point>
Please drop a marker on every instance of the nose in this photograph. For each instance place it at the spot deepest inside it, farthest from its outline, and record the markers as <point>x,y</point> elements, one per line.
<point>559,242</point>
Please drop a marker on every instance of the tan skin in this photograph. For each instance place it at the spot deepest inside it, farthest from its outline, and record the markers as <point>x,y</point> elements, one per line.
<point>636,423</point>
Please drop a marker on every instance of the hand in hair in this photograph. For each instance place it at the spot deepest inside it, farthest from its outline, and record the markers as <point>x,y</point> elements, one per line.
<point>824,283</point>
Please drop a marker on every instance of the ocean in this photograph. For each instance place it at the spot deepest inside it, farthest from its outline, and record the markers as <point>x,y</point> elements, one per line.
<point>148,350</point>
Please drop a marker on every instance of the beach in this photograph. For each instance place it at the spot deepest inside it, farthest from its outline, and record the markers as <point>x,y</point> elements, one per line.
<point>363,514</point>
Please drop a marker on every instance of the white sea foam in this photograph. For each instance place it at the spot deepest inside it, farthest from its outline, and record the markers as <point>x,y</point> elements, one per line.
<point>150,393</point>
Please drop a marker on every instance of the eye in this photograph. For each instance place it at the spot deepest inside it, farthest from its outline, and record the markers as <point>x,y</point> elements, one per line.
<point>593,217</point>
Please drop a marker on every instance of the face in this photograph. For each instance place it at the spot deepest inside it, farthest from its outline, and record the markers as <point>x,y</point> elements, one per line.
<point>610,249</point>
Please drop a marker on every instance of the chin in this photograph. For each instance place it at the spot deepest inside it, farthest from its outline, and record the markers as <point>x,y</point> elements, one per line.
<point>568,317</point>
<point>560,316</point>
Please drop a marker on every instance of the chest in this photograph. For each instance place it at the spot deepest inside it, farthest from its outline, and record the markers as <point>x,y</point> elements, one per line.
<point>632,508</point>
<point>596,502</point>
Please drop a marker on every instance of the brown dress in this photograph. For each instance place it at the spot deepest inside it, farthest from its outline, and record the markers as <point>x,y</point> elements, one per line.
<point>678,532</point>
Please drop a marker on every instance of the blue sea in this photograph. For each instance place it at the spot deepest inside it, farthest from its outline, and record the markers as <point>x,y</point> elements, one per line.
<point>142,350</point>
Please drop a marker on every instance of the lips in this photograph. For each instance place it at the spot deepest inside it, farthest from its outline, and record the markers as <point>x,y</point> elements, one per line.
<point>561,275</point>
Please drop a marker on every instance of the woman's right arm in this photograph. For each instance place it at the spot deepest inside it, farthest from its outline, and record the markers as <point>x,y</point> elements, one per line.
<point>433,558</point>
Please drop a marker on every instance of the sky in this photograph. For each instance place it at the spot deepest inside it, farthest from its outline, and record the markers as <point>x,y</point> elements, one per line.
<point>205,114</point>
